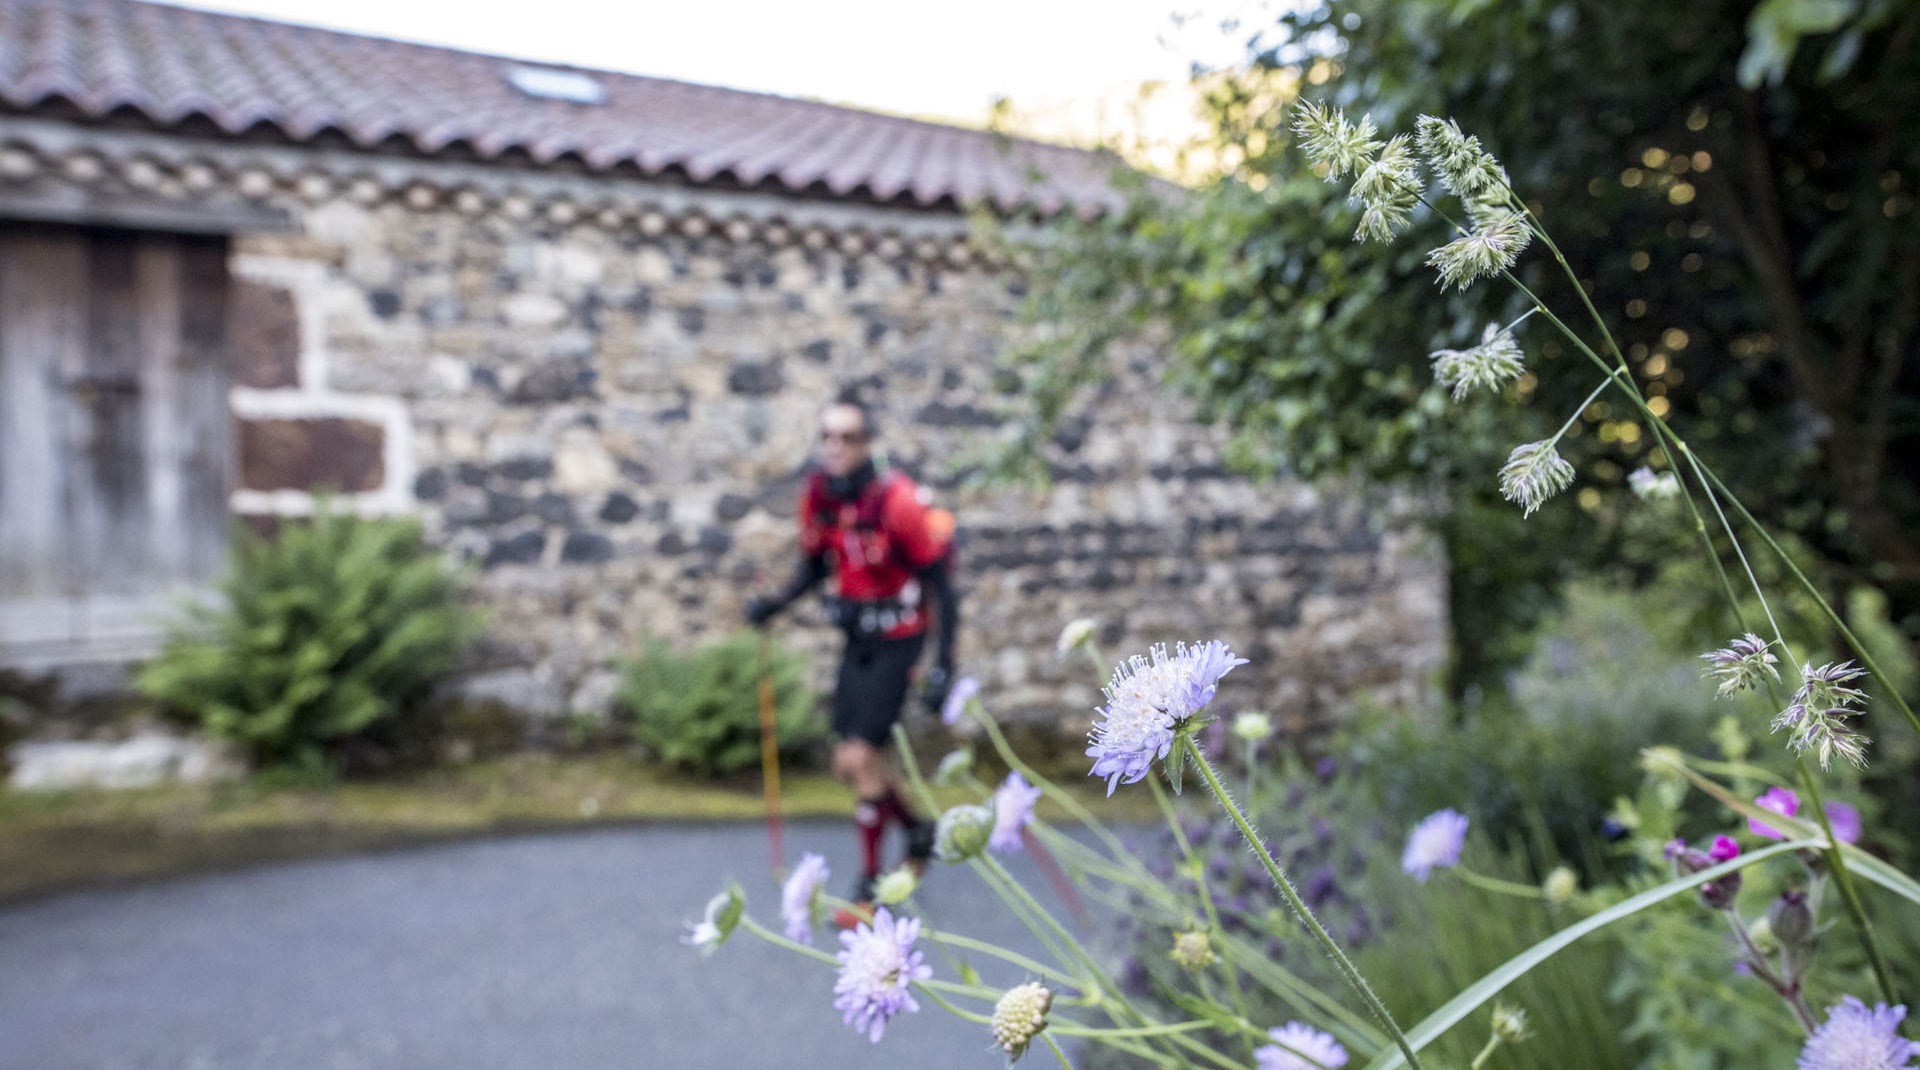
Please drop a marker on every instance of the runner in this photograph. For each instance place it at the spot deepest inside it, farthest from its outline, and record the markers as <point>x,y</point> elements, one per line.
<point>869,528</point>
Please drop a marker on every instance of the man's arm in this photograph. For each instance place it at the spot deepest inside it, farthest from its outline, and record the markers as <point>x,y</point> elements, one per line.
<point>937,580</point>
<point>812,569</point>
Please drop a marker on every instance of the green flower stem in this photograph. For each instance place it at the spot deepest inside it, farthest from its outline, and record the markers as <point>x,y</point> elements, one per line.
<point>1040,932</point>
<point>1054,1046</point>
<point>1067,802</point>
<point>1001,953</point>
<point>1481,1059</point>
<point>1357,1031</point>
<point>1849,894</point>
<point>1206,896</point>
<point>920,787</point>
<point>1710,483</point>
<point>779,940</point>
<point>1285,886</point>
<point>1787,989</point>
<point>1495,884</point>
<point>1074,1029</point>
<point>927,989</point>
<point>1859,649</point>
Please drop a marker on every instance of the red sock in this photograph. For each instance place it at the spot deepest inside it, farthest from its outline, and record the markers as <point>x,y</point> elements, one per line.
<point>869,824</point>
<point>892,809</point>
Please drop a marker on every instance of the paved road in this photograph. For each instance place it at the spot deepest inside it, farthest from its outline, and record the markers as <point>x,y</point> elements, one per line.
<point>557,951</point>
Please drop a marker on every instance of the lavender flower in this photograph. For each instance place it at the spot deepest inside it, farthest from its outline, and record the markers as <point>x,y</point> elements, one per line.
<point>1012,811</point>
<point>1533,473</point>
<point>1781,801</point>
<point>1818,711</point>
<point>1741,665</point>
<point>1489,249</point>
<point>1855,1038</point>
<point>1300,1047</point>
<point>877,964</point>
<point>1435,843</point>
<point>1493,363</point>
<point>1148,699</point>
<point>800,894</point>
<point>958,696</point>
<point>1845,821</point>
<point>1327,137</point>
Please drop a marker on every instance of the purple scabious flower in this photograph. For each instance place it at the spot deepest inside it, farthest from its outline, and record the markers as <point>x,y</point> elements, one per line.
<point>877,964</point>
<point>1012,811</point>
<point>1781,801</point>
<point>958,696</point>
<point>1148,699</point>
<point>1300,1047</point>
<point>1741,665</point>
<point>1845,821</point>
<point>1855,1038</point>
<point>797,897</point>
<point>1435,843</point>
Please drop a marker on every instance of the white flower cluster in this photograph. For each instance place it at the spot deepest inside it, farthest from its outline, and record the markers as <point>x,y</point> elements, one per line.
<point>1492,364</point>
<point>1533,473</point>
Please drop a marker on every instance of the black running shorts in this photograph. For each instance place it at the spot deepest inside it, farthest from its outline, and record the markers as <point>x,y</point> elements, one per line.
<point>872,688</point>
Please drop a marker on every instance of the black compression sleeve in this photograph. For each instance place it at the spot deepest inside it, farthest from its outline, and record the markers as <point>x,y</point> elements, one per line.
<point>937,580</point>
<point>812,569</point>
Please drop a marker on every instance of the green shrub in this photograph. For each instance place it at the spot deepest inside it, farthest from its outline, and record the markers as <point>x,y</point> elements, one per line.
<point>700,710</point>
<point>335,625</point>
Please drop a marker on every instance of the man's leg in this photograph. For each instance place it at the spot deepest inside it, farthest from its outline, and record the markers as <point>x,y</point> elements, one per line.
<point>860,766</point>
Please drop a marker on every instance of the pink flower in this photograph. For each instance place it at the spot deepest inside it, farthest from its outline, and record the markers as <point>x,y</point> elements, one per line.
<point>1779,800</point>
<point>1723,849</point>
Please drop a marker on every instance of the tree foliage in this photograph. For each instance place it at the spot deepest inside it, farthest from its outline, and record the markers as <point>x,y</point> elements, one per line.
<point>1755,250</point>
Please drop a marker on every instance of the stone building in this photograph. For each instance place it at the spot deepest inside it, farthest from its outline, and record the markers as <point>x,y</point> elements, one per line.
<point>580,323</point>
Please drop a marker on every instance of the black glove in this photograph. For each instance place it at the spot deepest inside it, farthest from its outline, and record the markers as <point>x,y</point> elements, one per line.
<point>761,609</point>
<point>934,688</point>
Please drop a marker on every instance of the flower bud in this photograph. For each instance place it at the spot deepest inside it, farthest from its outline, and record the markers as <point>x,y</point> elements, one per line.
<point>1790,920</point>
<point>1193,950</point>
<point>1075,635</point>
<point>894,887</point>
<point>1019,1016</point>
<point>1720,894</point>
<point>1510,1023</point>
<point>1253,727</point>
<point>962,833</point>
<point>955,765</point>
<point>1761,934</point>
<point>1560,886</point>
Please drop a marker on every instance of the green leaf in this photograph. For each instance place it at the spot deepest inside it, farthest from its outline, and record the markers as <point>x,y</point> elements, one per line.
<point>1486,988</point>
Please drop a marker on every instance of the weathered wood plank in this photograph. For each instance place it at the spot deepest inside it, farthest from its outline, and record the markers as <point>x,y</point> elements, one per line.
<point>106,474</point>
<point>42,328</point>
<point>206,462</point>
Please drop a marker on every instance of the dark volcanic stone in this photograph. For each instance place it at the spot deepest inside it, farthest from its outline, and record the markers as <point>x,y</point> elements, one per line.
<point>522,549</point>
<point>732,507</point>
<point>586,547</point>
<point>619,509</point>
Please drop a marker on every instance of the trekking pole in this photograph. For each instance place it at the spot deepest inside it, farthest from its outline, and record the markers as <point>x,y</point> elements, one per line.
<point>770,763</point>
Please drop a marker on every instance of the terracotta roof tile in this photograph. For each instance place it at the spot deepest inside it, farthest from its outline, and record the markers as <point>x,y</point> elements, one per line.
<point>171,66</point>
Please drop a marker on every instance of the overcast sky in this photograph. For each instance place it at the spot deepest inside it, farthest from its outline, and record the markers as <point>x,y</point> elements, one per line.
<point>943,60</point>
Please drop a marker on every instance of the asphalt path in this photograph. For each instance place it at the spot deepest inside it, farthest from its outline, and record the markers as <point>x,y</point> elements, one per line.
<point>556,951</point>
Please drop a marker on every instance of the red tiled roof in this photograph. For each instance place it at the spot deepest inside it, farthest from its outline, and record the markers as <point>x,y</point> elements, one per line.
<point>173,67</point>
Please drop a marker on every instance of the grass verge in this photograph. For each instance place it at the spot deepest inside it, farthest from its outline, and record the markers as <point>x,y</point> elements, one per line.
<point>54,841</point>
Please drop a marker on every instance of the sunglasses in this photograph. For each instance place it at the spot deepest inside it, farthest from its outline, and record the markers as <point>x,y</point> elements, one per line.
<point>851,438</point>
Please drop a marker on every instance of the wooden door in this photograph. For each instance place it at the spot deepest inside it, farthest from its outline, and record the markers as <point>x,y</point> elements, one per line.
<point>115,439</point>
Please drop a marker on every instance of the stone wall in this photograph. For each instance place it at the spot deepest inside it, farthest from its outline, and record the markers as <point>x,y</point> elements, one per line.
<point>609,417</point>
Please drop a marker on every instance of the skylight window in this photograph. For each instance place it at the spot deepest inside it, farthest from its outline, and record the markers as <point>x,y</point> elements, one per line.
<point>549,84</point>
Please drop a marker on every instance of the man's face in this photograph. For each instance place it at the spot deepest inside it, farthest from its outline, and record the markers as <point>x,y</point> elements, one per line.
<point>843,439</point>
